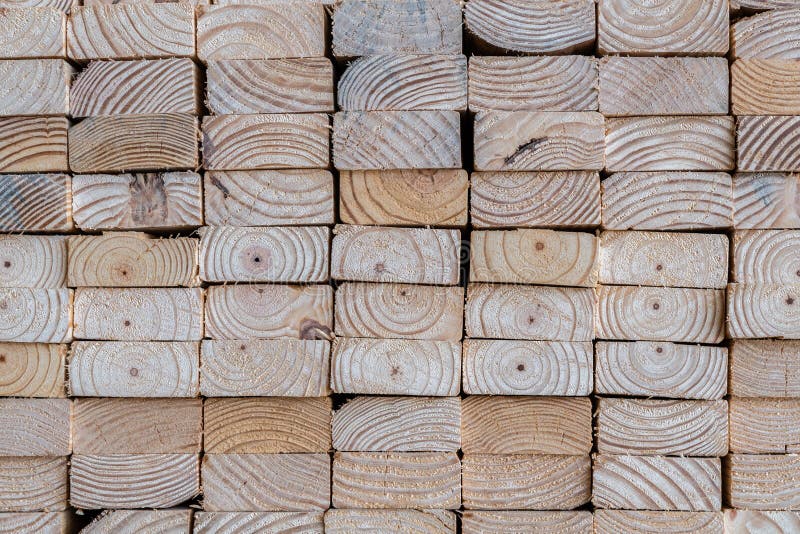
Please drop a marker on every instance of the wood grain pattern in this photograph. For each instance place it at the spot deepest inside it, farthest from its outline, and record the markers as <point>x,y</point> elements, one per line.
<point>266,482</point>
<point>32,369</point>
<point>34,32</point>
<point>758,5</point>
<point>538,141</point>
<point>62,5</point>
<point>399,311</point>
<point>381,82</point>
<point>267,425</point>
<point>768,143</point>
<point>269,311</point>
<point>33,261</point>
<point>242,522</point>
<point>526,425</point>
<point>411,521</point>
<point>36,315</point>
<point>33,144</point>
<point>766,200</point>
<point>35,87</point>
<point>667,201</point>
<point>526,522</point>
<point>782,521</point>
<point>763,481</point>
<point>380,140</point>
<point>763,310</point>
<point>133,521</point>
<point>42,522</point>
<point>765,368</point>
<point>396,366</point>
<point>270,367</point>
<point>661,314</point>
<point>670,144</point>
<point>766,256</point>
<point>525,481</point>
<point>657,483</point>
<point>35,427</point>
<point>765,426</point>
<point>668,522</point>
<point>35,203</point>
<point>660,369</point>
<point>33,483</point>
<point>765,87</point>
<point>396,480</point>
<point>768,35</point>
<point>386,254</point>
<point>530,312</point>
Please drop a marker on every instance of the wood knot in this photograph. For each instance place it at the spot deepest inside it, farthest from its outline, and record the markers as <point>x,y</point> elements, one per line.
<point>659,267</point>
<point>656,305</point>
<point>127,323</point>
<point>395,370</point>
<point>311,329</point>
<point>134,371</point>
<point>520,367</point>
<point>531,319</point>
<point>789,301</point>
<point>798,272</point>
<point>659,350</point>
<point>242,347</point>
<point>539,245</point>
<point>7,264</point>
<point>2,358</point>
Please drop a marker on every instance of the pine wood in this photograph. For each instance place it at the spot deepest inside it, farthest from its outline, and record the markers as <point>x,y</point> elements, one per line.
<point>145,86</point>
<point>696,200</point>
<point>657,483</point>
<point>670,144</point>
<point>763,310</point>
<point>768,35</point>
<point>661,314</point>
<point>766,256</point>
<point>264,425</point>
<point>674,86</point>
<point>134,369</point>
<point>33,261</point>
<point>32,369</point>
<point>613,521</point>
<point>763,482</point>
<point>765,426</point>
<point>678,27</point>
<point>422,521</point>
<point>754,521</point>
<point>557,83</point>
<point>127,481</point>
<point>62,5</point>
<point>399,311</point>
<point>118,143</point>
<point>36,315</point>
<point>538,141</point>
<point>241,522</point>
<point>525,481</point>
<point>33,483</point>
<point>132,521</point>
<point>405,255</point>
<point>33,32</point>
<point>664,259</point>
<point>43,522</point>
<point>270,367</point>
<point>750,5</point>
<point>766,200</point>
<point>396,27</point>
<point>282,30</point>
<point>141,201</point>
<point>765,87</point>
<point>302,85</point>
<point>404,82</point>
<point>765,368</point>
<point>289,254</point>
<point>560,199</point>
<point>269,311</point>
<point>423,197</point>
<point>33,144</point>
<point>266,482</point>
<point>528,256</point>
<point>396,480</point>
<point>399,424</point>
<point>767,143</point>
<point>526,425</point>
<point>381,140</point>
<point>35,203</point>
<point>526,522</point>
<point>396,366</point>
<point>530,312</point>
<point>660,369</point>
<point>35,427</point>
<point>35,87</point>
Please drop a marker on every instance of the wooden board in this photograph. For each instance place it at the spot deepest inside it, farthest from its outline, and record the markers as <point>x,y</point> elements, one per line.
<point>396,366</point>
<point>531,26</point>
<point>396,27</point>
<point>526,522</point>
<point>231,522</point>
<point>528,256</point>
<point>696,200</point>
<point>133,480</point>
<point>538,140</point>
<point>303,85</point>
<point>765,368</point>
<point>396,480</point>
<point>35,203</point>
<point>43,522</point>
<point>752,520</point>
<point>269,311</point>
<point>763,310</point>
<point>250,254</point>
<point>33,261</point>
<point>766,256</point>
<point>35,87</point>
<point>765,87</point>
<point>557,83</point>
<point>34,32</point>
<point>387,254</point>
<point>657,483</point>
<point>766,200</point>
<point>530,312</point>
<point>380,140</point>
<point>750,5</point>
<point>269,367</point>
<point>268,198</point>
<point>33,483</point>
<point>35,427</point>
<point>399,424</point>
<point>36,315</point>
<point>381,82</point>
<point>767,143</point>
<point>525,481</point>
<point>678,27</point>
<point>142,201</point>
<point>526,425</point>
<point>768,35</point>
<point>243,142</point>
<point>763,481</point>
<point>280,30</point>
<point>33,144</point>
<point>131,31</point>
<point>663,259</point>
<point>674,86</point>
<point>399,311</point>
<point>661,314</point>
<point>660,369</point>
<point>32,369</point>
<point>765,426</point>
<point>422,521</point>
<point>266,425</point>
<point>613,521</point>
<point>425,197</point>
<point>266,482</point>
<point>145,86</point>
<point>130,521</point>
<point>670,144</point>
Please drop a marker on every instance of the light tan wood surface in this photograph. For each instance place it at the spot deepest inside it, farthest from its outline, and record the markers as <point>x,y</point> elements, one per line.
<point>36,427</point>
<point>766,256</point>
<point>215,522</point>
<point>33,261</point>
<point>36,315</point>
<point>767,35</point>
<point>33,483</point>
<point>767,143</point>
<point>765,368</point>
<point>765,87</point>
<point>35,87</point>
<point>763,481</point>
<point>753,520</point>
<point>34,32</point>
<point>132,521</point>
<point>763,310</point>
<point>33,144</point>
<point>35,203</point>
<point>43,522</point>
<point>667,522</point>
<point>421,521</point>
<point>765,426</point>
<point>766,200</point>
<point>526,522</point>
<point>32,369</point>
